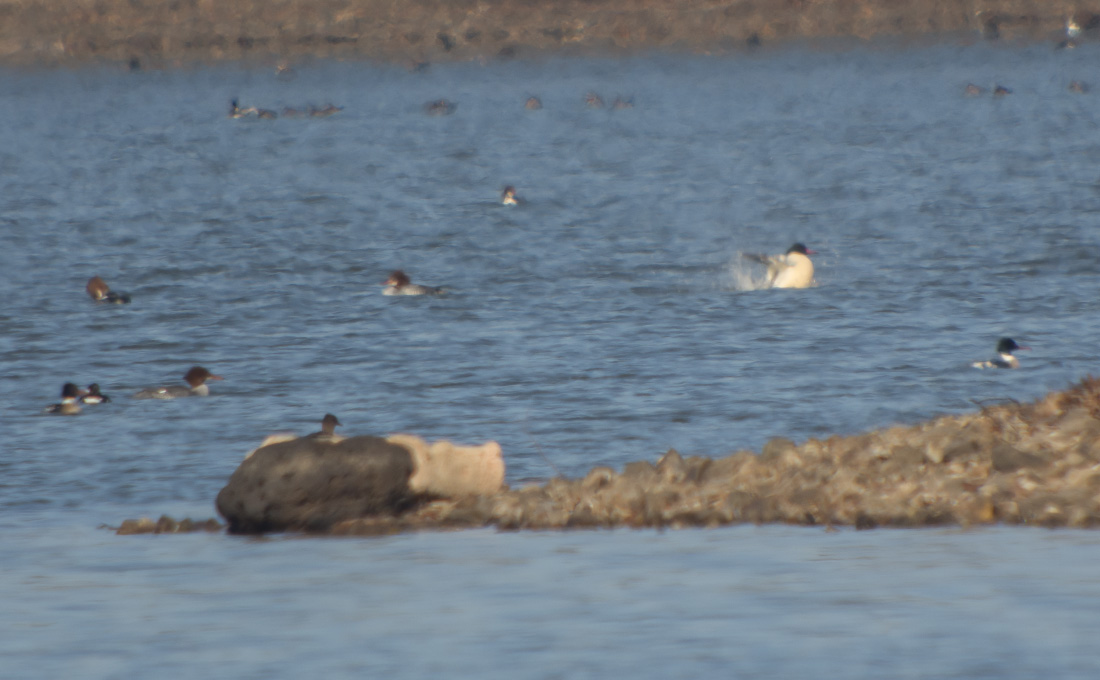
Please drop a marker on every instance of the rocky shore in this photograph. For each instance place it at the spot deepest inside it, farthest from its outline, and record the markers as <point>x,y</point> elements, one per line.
<point>164,33</point>
<point>1028,464</point>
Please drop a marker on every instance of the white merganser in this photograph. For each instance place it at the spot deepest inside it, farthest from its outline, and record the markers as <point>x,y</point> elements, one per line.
<point>94,396</point>
<point>98,291</point>
<point>1005,348</point>
<point>792,269</point>
<point>70,394</point>
<point>508,196</point>
<point>196,378</point>
<point>399,284</point>
<point>328,430</point>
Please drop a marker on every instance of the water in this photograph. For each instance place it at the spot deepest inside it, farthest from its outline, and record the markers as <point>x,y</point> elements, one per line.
<point>603,321</point>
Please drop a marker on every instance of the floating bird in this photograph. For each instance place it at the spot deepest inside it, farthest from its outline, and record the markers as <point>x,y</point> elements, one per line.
<point>94,396</point>
<point>440,107</point>
<point>98,291</point>
<point>533,104</point>
<point>70,394</point>
<point>399,284</point>
<point>792,269</point>
<point>508,196</point>
<point>1005,348</point>
<point>196,379</point>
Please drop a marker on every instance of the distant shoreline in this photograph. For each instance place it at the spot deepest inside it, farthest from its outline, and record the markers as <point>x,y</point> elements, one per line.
<point>168,33</point>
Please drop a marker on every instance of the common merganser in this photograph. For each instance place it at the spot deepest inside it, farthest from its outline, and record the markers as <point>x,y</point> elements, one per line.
<point>1001,91</point>
<point>99,291</point>
<point>533,104</point>
<point>70,393</point>
<point>621,103</point>
<point>1078,86</point>
<point>235,111</point>
<point>94,396</point>
<point>440,107</point>
<point>1005,348</point>
<point>593,101</point>
<point>508,196</point>
<point>328,429</point>
<point>399,284</point>
<point>792,269</point>
<point>324,111</point>
<point>196,378</point>
<point>973,90</point>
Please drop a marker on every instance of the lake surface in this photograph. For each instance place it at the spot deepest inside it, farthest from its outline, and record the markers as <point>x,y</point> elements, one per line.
<point>606,319</point>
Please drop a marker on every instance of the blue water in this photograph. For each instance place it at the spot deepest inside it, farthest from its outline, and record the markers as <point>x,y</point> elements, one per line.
<point>603,321</point>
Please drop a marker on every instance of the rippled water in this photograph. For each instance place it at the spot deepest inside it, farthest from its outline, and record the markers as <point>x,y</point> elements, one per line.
<point>600,322</point>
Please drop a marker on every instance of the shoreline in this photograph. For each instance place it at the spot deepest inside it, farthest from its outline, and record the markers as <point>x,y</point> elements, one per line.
<point>145,33</point>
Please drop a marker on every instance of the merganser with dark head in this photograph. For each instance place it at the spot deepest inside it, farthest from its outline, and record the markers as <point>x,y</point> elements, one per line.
<point>399,284</point>
<point>98,291</point>
<point>94,396</point>
<point>1005,348</point>
<point>328,429</point>
<point>440,107</point>
<point>792,269</point>
<point>70,394</point>
<point>196,378</point>
<point>508,196</point>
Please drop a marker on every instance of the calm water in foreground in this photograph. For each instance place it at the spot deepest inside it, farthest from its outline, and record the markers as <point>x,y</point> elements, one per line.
<point>603,321</point>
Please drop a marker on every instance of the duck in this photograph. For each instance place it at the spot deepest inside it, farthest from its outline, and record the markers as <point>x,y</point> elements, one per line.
<point>196,378</point>
<point>69,406</point>
<point>328,429</point>
<point>94,396</point>
<point>508,196</point>
<point>1005,359</point>
<point>399,284</point>
<point>621,103</point>
<point>99,291</point>
<point>324,111</point>
<point>593,101</point>
<point>1001,91</point>
<point>792,269</point>
<point>440,107</point>
<point>1078,86</point>
<point>532,104</point>
<point>973,90</point>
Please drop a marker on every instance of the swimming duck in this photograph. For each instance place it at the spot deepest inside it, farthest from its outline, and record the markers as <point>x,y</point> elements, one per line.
<point>973,90</point>
<point>328,429</point>
<point>196,378</point>
<point>593,101</point>
<point>94,396</point>
<point>399,284</point>
<point>324,111</point>
<point>70,393</point>
<point>621,103</point>
<point>1001,91</point>
<point>792,269</point>
<point>1005,348</point>
<point>440,107</point>
<point>508,196</point>
<point>1078,86</point>
<point>533,104</point>
<point>98,291</point>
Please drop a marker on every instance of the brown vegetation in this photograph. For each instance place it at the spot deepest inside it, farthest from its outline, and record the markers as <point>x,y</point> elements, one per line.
<point>170,32</point>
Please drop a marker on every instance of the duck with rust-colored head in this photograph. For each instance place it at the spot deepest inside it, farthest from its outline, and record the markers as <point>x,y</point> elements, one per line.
<point>399,284</point>
<point>196,386</point>
<point>99,291</point>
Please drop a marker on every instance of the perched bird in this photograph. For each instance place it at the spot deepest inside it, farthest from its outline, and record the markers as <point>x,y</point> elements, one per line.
<point>399,284</point>
<point>792,269</point>
<point>508,196</point>
<point>94,396</point>
<point>70,394</point>
<point>1005,348</point>
<point>98,291</point>
<point>196,379</point>
<point>328,429</point>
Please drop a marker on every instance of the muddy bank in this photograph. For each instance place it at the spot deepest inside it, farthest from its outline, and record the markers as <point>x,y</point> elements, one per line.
<point>1031,464</point>
<point>174,32</point>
